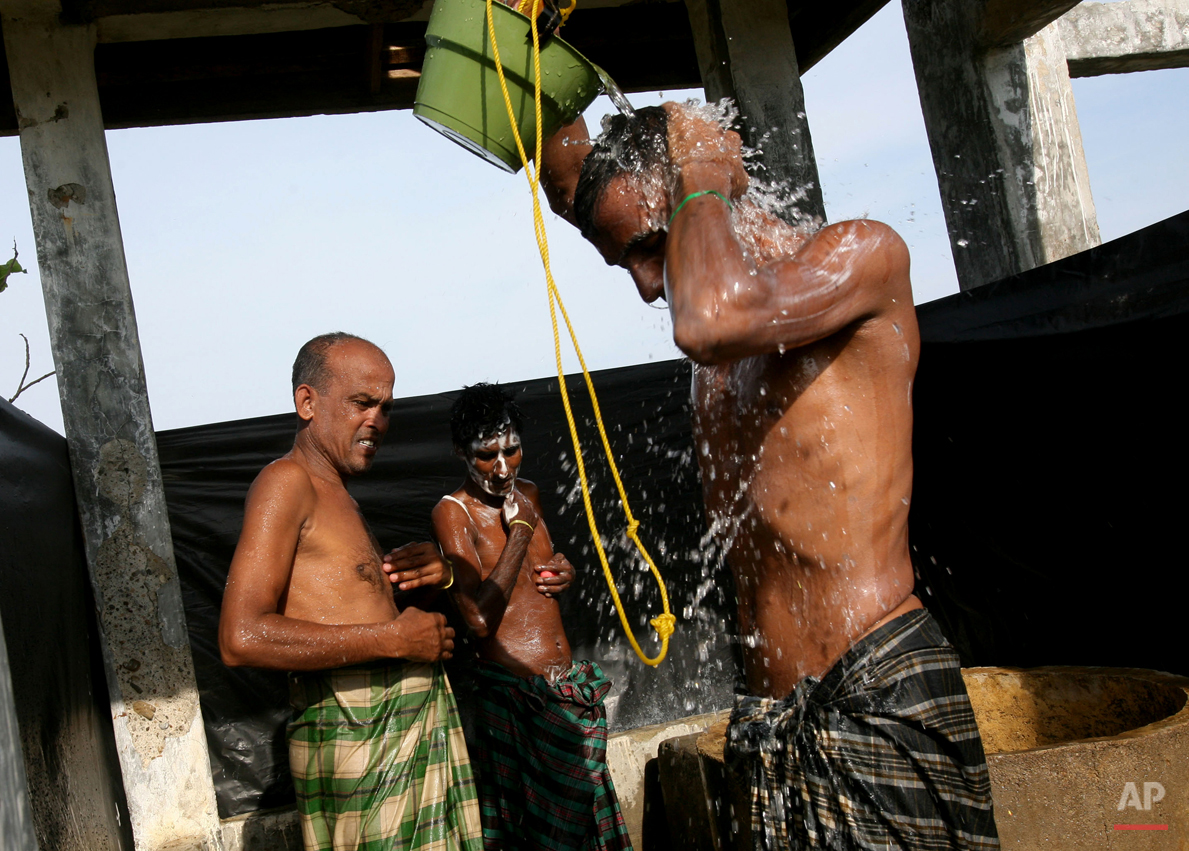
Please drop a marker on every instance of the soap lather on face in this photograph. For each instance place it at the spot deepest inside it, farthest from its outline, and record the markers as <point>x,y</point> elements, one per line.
<point>493,461</point>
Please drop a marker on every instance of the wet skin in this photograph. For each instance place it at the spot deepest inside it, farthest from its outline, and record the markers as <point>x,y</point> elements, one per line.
<point>805,351</point>
<point>506,575</point>
<point>306,590</point>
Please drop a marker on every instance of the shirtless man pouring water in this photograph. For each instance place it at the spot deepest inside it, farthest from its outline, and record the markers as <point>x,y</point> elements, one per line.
<point>540,754</point>
<point>375,746</point>
<point>856,731</point>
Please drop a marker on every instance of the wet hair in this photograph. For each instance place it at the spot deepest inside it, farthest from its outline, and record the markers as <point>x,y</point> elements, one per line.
<point>479,412</point>
<point>310,365</point>
<point>637,144</point>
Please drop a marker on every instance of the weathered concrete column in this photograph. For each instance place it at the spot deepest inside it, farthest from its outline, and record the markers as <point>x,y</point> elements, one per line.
<point>745,51</point>
<point>105,409</point>
<point>1134,35</point>
<point>999,111</point>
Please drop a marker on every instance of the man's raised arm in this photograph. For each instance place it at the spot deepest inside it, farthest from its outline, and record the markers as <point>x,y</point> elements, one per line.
<point>482,602</point>
<point>723,306</point>
<point>253,633</point>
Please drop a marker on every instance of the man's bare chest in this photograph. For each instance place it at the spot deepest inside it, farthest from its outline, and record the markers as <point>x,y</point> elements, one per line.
<point>741,407</point>
<point>338,546</point>
<point>773,437</point>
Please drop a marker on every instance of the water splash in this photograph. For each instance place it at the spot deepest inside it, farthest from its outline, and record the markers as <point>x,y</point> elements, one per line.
<point>758,218</point>
<point>764,199</point>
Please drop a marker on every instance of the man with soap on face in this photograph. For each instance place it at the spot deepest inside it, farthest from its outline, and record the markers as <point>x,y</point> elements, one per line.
<point>856,731</point>
<point>541,728</point>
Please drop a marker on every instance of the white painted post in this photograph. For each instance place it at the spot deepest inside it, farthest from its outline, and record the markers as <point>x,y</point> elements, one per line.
<point>745,51</point>
<point>109,430</point>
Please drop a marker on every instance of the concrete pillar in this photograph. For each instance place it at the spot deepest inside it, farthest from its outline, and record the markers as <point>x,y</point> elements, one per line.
<point>1133,35</point>
<point>109,430</point>
<point>1005,139</point>
<point>16,819</point>
<point>745,52</point>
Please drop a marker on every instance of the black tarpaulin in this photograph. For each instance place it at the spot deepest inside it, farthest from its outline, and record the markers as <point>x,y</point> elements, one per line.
<point>62,706</point>
<point>207,471</point>
<point>1049,460</point>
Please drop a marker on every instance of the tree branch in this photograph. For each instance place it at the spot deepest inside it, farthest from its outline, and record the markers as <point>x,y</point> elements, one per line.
<point>22,387</point>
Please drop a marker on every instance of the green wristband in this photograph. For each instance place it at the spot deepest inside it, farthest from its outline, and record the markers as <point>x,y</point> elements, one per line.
<point>691,196</point>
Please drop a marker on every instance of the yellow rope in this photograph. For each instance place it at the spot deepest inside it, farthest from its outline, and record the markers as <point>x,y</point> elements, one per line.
<point>665,623</point>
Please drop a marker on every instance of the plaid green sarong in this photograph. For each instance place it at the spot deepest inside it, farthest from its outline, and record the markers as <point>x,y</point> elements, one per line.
<point>541,752</point>
<point>379,761</point>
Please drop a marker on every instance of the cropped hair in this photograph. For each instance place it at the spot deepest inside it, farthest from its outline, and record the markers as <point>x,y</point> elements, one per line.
<point>481,411</point>
<point>310,365</point>
<point>637,144</point>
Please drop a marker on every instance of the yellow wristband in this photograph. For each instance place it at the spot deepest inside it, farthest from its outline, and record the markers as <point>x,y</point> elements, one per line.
<point>530,526</point>
<point>449,564</point>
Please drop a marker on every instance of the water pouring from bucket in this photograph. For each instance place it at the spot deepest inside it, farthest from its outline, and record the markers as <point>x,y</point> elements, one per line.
<point>615,93</point>
<point>459,92</point>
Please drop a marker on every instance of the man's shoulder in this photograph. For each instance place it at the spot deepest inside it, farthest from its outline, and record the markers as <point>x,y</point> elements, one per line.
<point>285,476</point>
<point>528,488</point>
<point>877,247</point>
<point>452,507</point>
<point>285,470</point>
<point>282,493</point>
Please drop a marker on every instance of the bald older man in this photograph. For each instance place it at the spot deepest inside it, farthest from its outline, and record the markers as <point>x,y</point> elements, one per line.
<point>375,746</point>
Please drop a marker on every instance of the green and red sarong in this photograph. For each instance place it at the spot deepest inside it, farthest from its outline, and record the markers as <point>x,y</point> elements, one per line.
<point>541,762</point>
<point>379,762</point>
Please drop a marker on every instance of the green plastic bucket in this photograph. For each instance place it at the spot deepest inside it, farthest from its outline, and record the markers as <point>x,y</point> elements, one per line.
<point>459,93</point>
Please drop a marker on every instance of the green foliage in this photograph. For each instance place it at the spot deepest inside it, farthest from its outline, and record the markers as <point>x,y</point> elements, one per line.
<point>9,268</point>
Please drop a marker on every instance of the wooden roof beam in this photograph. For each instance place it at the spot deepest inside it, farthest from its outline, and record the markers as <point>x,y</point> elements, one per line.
<point>818,28</point>
<point>200,66</point>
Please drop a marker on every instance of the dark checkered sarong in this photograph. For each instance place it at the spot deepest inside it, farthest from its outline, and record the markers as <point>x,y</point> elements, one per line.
<point>881,753</point>
<point>541,762</point>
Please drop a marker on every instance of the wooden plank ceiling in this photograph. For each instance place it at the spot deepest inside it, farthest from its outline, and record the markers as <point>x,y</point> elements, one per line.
<point>644,47</point>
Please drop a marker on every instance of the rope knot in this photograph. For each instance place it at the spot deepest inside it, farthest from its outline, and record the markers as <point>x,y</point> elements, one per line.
<point>664,625</point>
<point>633,525</point>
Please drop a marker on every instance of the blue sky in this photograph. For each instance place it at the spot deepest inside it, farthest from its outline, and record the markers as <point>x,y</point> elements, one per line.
<point>245,239</point>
